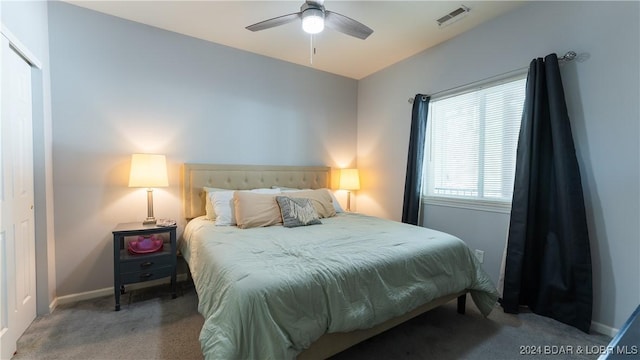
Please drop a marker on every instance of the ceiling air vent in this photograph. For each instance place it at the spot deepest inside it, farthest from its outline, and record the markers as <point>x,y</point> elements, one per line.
<point>453,16</point>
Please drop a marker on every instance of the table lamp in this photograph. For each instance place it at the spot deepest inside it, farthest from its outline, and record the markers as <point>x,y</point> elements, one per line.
<point>349,180</point>
<point>149,171</point>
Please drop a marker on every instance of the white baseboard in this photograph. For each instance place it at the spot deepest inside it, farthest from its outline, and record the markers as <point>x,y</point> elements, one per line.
<point>603,329</point>
<point>93,294</point>
<point>53,305</point>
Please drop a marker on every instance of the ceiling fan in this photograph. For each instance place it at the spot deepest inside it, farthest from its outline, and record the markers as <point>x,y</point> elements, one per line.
<point>314,18</point>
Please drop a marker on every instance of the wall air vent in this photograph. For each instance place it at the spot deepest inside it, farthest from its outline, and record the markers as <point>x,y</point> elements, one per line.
<point>453,16</point>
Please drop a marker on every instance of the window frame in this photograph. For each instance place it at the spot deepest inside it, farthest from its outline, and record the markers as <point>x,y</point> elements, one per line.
<point>470,203</point>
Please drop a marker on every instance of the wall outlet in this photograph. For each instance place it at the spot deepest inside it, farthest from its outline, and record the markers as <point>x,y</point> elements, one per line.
<point>480,255</point>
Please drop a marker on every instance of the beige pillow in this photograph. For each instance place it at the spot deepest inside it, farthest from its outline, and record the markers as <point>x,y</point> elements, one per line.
<point>254,210</point>
<point>218,204</point>
<point>321,200</point>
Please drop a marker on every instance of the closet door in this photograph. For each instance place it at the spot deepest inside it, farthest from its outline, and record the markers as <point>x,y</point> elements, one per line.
<point>17,231</point>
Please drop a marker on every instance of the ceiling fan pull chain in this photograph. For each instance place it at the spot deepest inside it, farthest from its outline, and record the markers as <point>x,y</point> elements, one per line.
<point>311,49</point>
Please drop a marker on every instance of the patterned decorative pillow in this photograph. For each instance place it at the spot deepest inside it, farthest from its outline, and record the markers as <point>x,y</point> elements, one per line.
<point>297,211</point>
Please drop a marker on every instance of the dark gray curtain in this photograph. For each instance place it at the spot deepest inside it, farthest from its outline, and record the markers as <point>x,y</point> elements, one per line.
<point>413,181</point>
<point>548,263</point>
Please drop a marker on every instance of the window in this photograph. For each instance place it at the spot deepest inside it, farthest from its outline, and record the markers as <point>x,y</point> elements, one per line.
<point>471,143</point>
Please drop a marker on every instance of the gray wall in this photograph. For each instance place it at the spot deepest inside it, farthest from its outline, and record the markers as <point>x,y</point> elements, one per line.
<point>28,22</point>
<point>602,91</point>
<point>120,87</point>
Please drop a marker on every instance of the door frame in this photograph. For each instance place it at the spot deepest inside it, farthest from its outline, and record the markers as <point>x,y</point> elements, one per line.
<point>20,48</point>
<point>43,175</point>
<point>43,201</point>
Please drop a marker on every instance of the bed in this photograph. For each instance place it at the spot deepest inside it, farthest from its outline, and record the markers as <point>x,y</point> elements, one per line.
<point>277,292</point>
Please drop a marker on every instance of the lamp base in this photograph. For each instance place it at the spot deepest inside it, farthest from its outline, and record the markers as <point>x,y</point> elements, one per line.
<point>150,220</point>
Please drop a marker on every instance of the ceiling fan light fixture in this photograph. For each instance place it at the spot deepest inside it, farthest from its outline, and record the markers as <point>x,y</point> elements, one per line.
<point>314,18</point>
<point>313,21</point>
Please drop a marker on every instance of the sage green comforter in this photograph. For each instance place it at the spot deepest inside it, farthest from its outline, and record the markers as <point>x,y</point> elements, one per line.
<point>268,293</point>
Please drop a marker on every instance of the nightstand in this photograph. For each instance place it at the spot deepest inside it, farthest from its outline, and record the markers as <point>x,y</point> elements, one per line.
<point>134,268</point>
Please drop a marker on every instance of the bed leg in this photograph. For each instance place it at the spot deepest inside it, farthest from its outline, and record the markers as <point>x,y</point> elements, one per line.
<point>462,303</point>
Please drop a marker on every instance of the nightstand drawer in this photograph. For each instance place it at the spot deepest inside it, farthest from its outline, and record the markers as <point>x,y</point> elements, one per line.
<point>146,264</point>
<point>146,275</point>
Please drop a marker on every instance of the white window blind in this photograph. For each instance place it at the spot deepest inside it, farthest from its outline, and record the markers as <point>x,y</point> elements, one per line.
<point>472,140</point>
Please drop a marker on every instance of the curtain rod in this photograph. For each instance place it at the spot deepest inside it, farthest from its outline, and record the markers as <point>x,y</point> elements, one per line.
<point>568,56</point>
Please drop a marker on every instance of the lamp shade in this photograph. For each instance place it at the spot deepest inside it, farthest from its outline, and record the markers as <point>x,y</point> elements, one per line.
<point>349,179</point>
<point>312,21</point>
<point>148,170</point>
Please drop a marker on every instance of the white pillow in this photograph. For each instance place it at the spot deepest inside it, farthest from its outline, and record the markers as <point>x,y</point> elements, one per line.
<point>224,208</point>
<point>208,207</point>
<point>222,202</point>
<point>264,191</point>
<point>287,189</point>
<point>336,204</point>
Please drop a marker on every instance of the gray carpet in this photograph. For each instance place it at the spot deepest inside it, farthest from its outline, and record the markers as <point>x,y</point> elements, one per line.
<point>154,326</point>
<point>151,326</point>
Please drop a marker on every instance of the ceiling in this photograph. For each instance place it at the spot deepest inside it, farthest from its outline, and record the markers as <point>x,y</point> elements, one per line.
<point>401,28</point>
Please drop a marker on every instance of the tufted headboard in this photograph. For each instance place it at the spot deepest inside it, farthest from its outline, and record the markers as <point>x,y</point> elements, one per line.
<point>244,177</point>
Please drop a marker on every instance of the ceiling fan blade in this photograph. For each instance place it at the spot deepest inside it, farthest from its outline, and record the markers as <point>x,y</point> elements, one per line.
<point>277,21</point>
<point>346,25</point>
